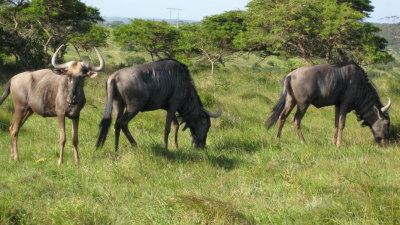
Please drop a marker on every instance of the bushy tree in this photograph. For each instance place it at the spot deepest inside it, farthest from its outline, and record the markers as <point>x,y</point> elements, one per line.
<point>313,29</point>
<point>95,37</point>
<point>157,38</point>
<point>35,28</point>
<point>213,38</point>
<point>363,6</point>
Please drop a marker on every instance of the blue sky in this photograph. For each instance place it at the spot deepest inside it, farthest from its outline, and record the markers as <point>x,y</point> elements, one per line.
<point>191,9</point>
<point>384,8</point>
<point>197,9</point>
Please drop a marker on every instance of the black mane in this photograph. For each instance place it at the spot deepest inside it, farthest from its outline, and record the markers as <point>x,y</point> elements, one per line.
<point>369,94</point>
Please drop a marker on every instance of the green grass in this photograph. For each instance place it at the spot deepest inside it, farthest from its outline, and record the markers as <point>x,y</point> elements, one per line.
<point>244,176</point>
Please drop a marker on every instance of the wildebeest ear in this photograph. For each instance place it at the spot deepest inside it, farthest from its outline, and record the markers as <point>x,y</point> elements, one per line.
<point>91,74</point>
<point>377,112</point>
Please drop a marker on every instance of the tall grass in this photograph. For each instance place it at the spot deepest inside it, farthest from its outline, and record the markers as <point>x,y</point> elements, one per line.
<point>244,176</point>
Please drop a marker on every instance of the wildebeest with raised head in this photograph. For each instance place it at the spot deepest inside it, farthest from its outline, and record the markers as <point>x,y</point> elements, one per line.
<point>165,84</point>
<point>344,85</point>
<point>50,93</point>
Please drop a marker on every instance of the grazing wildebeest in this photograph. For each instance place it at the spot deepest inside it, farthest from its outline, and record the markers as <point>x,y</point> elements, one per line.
<point>50,93</point>
<point>344,85</point>
<point>165,84</point>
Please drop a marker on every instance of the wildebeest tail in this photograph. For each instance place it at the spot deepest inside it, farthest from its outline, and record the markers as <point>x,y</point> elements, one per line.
<point>107,114</point>
<point>280,105</point>
<point>6,92</point>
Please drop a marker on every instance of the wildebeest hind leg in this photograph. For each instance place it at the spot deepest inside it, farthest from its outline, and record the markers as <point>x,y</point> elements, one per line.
<point>119,109</point>
<point>123,124</point>
<point>19,119</point>
<point>301,110</point>
<point>335,132</point>
<point>290,103</point>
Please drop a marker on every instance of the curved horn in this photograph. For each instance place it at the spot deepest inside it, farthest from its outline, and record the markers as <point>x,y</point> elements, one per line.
<point>102,64</point>
<point>386,107</point>
<point>216,115</point>
<point>53,59</point>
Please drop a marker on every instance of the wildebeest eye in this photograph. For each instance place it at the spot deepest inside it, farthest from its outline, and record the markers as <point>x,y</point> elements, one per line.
<point>84,70</point>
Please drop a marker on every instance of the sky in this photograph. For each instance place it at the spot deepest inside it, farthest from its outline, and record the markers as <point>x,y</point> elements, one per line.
<point>197,9</point>
<point>191,9</point>
<point>384,8</point>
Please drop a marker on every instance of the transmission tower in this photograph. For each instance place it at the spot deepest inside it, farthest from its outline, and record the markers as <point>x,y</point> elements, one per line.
<point>170,15</point>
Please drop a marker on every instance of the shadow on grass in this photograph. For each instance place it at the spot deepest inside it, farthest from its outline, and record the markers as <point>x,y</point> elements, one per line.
<point>190,156</point>
<point>239,145</point>
<point>395,133</point>
<point>213,211</point>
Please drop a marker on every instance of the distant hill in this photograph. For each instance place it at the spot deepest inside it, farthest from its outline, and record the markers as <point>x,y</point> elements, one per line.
<point>391,32</point>
<point>108,20</point>
<point>389,19</point>
<point>126,20</point>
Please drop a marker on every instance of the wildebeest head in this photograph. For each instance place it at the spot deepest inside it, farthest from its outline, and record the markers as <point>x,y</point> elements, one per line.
<point>200,126</point>
<point>76,72</point>
<point>381,127</point>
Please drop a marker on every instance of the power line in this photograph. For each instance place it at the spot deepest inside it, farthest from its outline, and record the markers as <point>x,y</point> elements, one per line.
<point>170,15</point>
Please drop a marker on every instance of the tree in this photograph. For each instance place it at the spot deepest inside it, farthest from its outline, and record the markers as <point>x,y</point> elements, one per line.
<point>214,38</point>
<point>363,6</point>
<point>156,38</point>
<point>35,28</point>
<point>313,29</point>
<point>116,24</point>
<point>95,37</point>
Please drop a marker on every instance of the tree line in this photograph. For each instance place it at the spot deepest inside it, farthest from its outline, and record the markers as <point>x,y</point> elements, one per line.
<point>32,30</point>
<point>314,30</point>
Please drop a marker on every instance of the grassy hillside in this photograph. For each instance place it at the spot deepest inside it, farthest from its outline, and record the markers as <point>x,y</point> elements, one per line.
<point>244,176</point>
<point>391,32</point>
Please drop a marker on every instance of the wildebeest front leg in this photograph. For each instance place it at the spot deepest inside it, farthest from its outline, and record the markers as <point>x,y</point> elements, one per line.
<point>301,110</point>
<point>75,125</point>
<point>20,116</point>
<point>62,139</point>
<point>341,124</point>
<point>170,117</point>
<point>176,127</point>
<point>123,124</point>
<point>335,132</point>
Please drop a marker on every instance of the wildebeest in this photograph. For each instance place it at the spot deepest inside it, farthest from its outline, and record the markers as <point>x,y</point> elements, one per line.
<point>50,93</point>
<point>165,84</point>
<point>344,85</point>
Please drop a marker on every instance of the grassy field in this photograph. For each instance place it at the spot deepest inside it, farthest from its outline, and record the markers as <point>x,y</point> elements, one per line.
<point>244,176</point>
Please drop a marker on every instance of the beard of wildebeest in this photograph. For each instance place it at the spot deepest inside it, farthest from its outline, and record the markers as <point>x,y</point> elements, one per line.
<point>74,84</point>
<point>198,130</point>
<point>344,85</point>
<point>378,121</point>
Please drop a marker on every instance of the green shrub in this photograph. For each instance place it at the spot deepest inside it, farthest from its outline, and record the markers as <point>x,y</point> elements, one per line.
<point>271,63</point>
<point>207,98</point>
<point>291,65</point>
<point>256,67</point>
<point>134,60</point>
